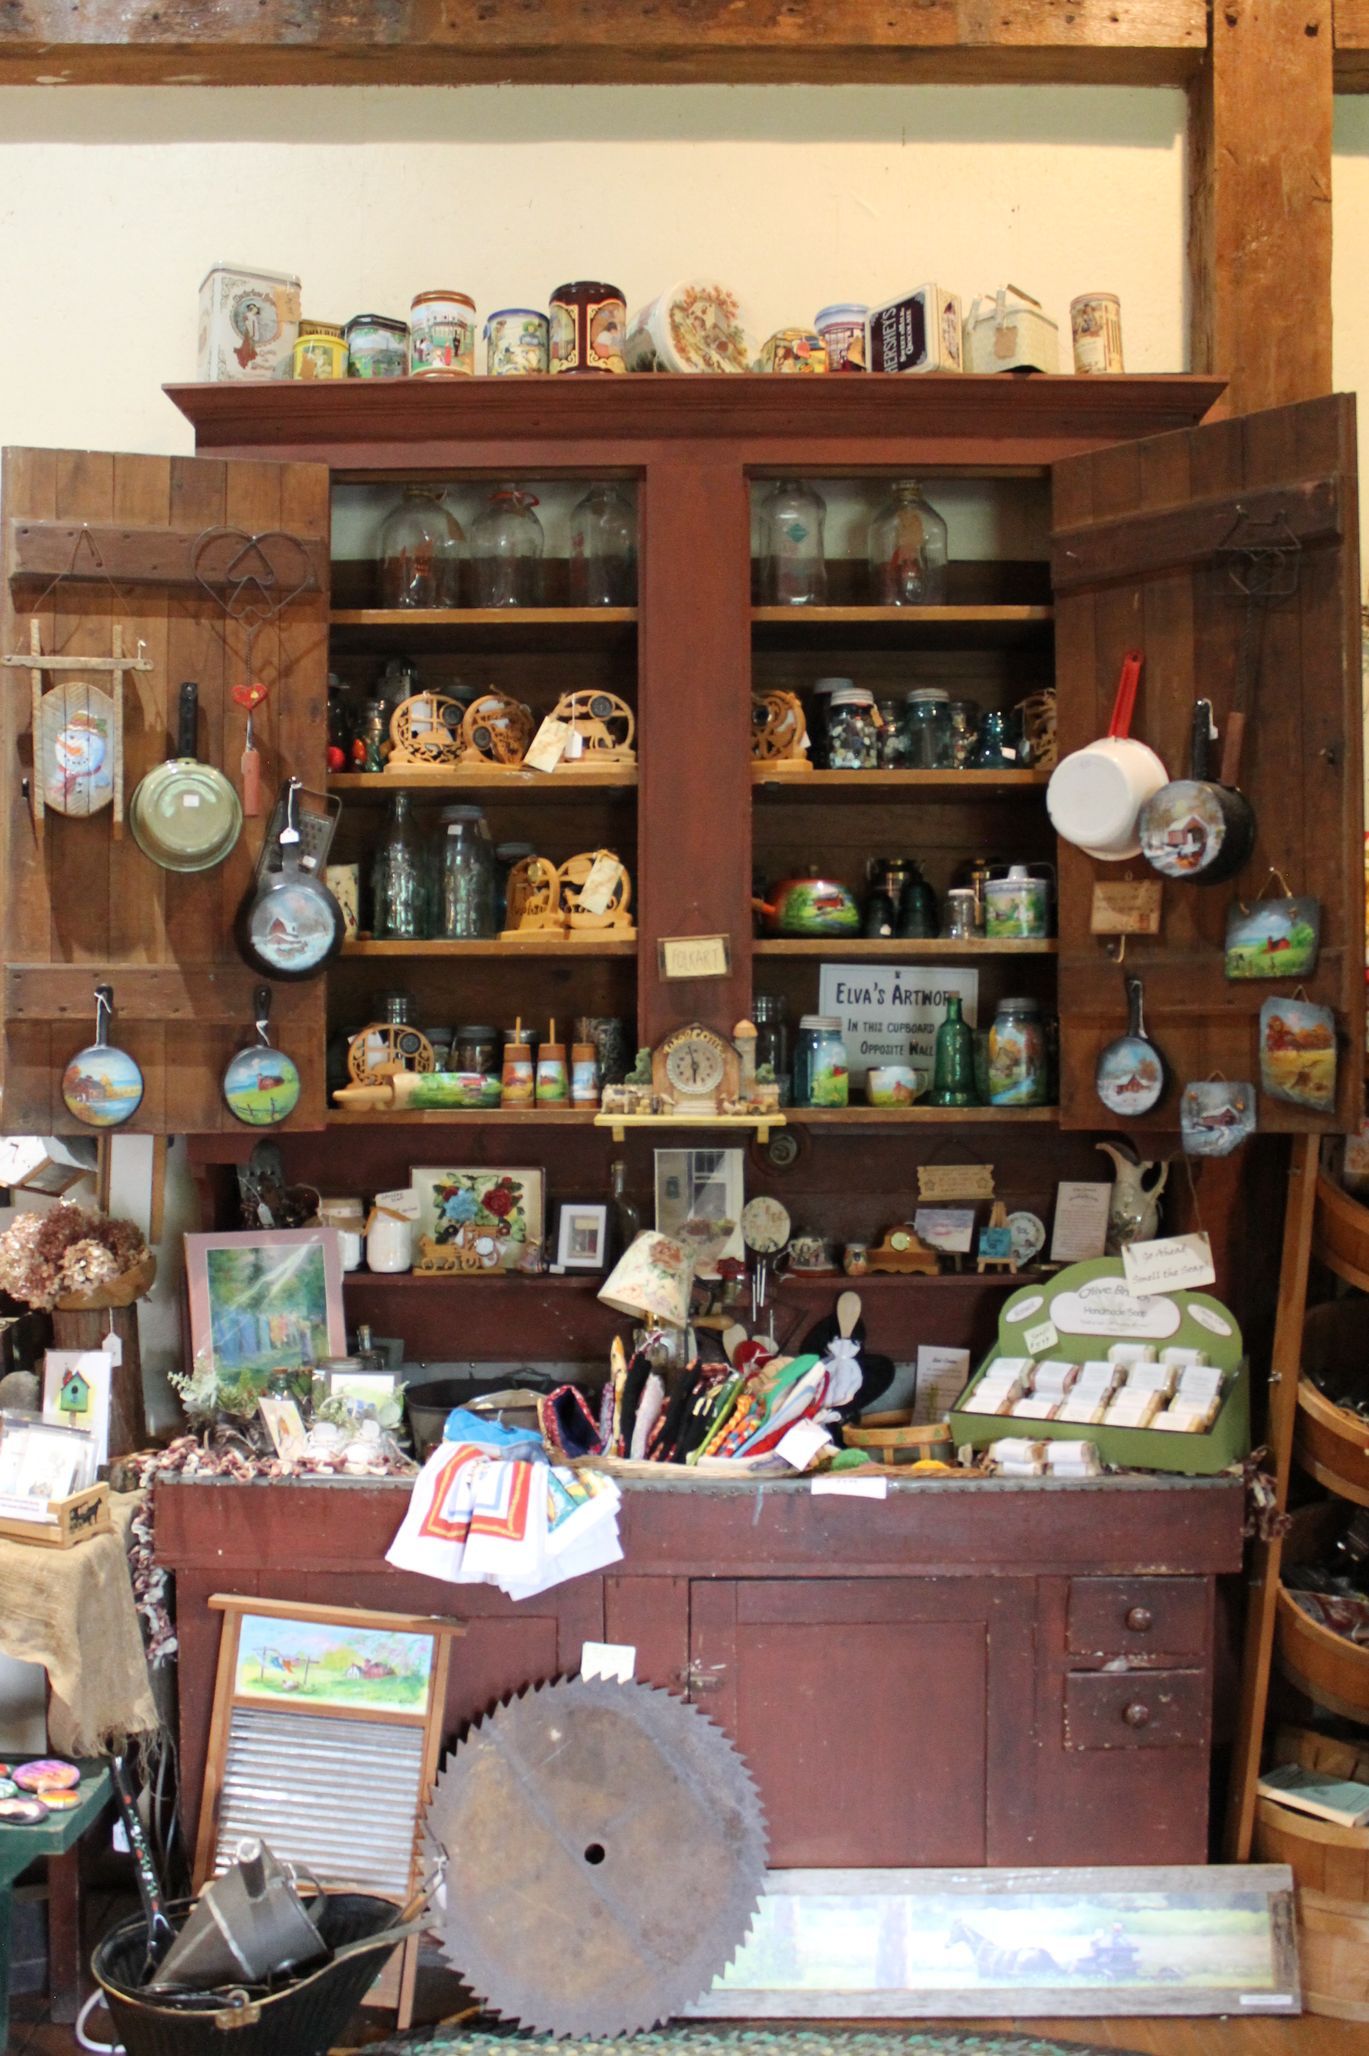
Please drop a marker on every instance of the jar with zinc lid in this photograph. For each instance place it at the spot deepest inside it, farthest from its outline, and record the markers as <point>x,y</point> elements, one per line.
<point>466,875</point>
<point>852,730</point>
<point>820,1074</point>
<point>927,725</point>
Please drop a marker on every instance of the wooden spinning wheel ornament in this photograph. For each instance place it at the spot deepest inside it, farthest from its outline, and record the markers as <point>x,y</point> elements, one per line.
<point>601,876</point>
<point>604,724</point>
<point>779,733</point>
<point>384,1048</point>
<point>495,730</point>
<point>425,733</point>
<point>534,899</point>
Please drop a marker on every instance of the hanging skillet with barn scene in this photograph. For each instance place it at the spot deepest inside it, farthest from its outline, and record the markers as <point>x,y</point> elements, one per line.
<point>290,924</point>
<point>1131,1072</point>
<point>101,1085</point>
<point>261,1085</point>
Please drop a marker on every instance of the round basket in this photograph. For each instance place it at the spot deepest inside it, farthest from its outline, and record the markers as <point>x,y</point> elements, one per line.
<point>1340,1233</point>
<point>891,1438</point>
<point>1326,1667</point>
<point>120,1291</point>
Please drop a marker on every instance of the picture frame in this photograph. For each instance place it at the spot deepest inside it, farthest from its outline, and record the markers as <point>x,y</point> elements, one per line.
<point>699,1186</point>
<point>360,1390</point>
<point>44,1462</point>
<point>581,1236</point>
<point>264,1300</point>
<point>508,1201</point>
<point>76,1394</point>
<point>284,1423</point>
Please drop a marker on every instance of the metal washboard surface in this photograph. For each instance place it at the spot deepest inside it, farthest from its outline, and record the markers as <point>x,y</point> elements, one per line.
<point>292,1778</point>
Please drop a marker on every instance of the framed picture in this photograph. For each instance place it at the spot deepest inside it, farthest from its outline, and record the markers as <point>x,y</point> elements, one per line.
<point>700,1194</point>
<point>458,1204</point>
<point>265,1301</point>
<point>581,1237</point>
<point>363,1392</point>
<point>76,1394</point>
<point>41,1461</point>
<point>284,1424</point>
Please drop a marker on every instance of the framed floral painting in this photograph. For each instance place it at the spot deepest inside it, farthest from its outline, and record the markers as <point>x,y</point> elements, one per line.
<point>507,1204</point>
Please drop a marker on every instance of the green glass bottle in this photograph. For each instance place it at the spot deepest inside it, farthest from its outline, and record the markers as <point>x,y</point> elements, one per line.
<point>953,1080</point>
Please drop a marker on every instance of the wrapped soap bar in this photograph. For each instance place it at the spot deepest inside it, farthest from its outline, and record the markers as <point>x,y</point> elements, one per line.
<point>1034,1409</point>
<point>1132,1353</point>
<point>1132,1410</point>
<point>1174,1355</point>
<point>1073,1459</point>
<point>1086,1412</point>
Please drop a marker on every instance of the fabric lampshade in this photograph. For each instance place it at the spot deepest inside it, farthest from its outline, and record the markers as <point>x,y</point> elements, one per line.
<point>652,1280</point>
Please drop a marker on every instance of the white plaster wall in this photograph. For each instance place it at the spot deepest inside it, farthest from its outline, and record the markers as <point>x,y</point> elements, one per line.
<point>114,202</point>
<point>1349,274</point>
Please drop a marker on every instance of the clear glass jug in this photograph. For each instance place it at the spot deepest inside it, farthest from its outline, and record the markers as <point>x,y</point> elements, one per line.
<point>421,547</point>
<point>793,568</point>
<point>506,550</point>
<point>908,550</point>
<point>603,550</point>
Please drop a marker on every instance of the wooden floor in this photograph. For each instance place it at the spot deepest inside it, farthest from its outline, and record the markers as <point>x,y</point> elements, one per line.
<point>32,2035</point>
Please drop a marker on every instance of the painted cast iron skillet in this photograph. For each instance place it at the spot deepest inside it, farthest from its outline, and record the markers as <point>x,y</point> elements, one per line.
<point>1196,829</point>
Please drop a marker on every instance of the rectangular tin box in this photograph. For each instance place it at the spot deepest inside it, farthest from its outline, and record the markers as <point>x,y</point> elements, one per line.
<point>249,320</point>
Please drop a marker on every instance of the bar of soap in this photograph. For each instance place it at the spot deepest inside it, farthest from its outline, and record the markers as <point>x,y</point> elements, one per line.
<point>1034,1410</point>
<point>1083,1412</point>
<point>1183,1356</point>
<point>1132,1353</point>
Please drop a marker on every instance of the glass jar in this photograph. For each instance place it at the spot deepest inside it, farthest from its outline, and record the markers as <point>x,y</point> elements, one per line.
<point>389,1242</point>
<point>506,856</point>
<point>793,569</point>
<point>603,550</point>
<point>918,916</point>
<point>466,880</point>
<point>962,718</point>
<point>400,904</point>
<point>907,550</point>
<point>953,1083</point>
<point>421,545</point>
<point>852,730</point>
<point>820,1075</point>
<point>506,550</point>
<point>347,1217</point>
<point>927,726</point>
<point>821,707</point>
<point>1017,1055</point>
<point>371,742</point>
<point>770,1012</point>
<point>895,749</point>
<point>960,911</point>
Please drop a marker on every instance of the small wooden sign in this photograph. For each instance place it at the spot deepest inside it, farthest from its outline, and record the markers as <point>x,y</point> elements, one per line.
<point>937,1182</point>
<point>695,956</point>
<point>1125,906</point>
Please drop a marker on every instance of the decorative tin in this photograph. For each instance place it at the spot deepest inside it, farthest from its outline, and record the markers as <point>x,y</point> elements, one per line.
<point>919,331</point>
<point>587,323</point>
<point>792,349</point>
<point>1096,327</point>
<point>516,343</point>
<point>377,346</point>
<point>442,335</point>
<point>1007,331</point>
<point>695,325</point>
<point>248,323</point>
<point>320,350</point>
<point>842,329</point>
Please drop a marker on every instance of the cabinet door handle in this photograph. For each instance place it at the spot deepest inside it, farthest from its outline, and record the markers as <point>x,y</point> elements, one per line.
<point>1140,1620</point>
<point>1136,1714</point>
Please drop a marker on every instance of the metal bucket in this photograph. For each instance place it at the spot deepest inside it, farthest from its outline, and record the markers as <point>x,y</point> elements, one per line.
<point>304,2017</point>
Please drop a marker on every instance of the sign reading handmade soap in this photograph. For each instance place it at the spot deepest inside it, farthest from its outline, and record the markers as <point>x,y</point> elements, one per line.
<point>890,1013</point>
<point>1169,1261</point>
<point>1123,906</point>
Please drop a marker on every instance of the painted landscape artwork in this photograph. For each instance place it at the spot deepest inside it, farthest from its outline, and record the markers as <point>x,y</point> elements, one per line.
<point>268,1306</point>
<point>316,1664</point>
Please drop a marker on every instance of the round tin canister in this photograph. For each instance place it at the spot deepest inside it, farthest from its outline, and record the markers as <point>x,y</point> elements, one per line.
<point>377,346</point>
<point>698,324</point>
<point>792,349</point>
<point>516,343</point>
<point>588,322</point>
<point>1096,326</point>
<point>320,350</point>
<point>442,335</point>
<point>842,328</point>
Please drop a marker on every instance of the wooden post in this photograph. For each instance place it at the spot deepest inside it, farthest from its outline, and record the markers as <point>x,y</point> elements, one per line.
<point>1260,202</point>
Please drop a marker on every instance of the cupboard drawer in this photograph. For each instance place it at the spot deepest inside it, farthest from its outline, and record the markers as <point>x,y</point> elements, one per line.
<point>1132,1616</point>
<point>1136,1709</point>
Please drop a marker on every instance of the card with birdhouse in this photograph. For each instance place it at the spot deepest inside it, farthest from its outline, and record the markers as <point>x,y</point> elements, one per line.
<point>76,1384</point>
<point>505,1205</point>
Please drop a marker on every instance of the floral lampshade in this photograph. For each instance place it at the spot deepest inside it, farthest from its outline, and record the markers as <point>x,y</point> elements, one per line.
<point>652,1280</point>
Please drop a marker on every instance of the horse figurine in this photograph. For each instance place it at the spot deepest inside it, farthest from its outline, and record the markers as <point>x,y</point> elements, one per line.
<point>992,1960</point>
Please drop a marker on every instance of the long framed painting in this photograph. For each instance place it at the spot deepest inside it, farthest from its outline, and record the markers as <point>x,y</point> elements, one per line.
<point>917,1944</point>
<point>264,1300</point>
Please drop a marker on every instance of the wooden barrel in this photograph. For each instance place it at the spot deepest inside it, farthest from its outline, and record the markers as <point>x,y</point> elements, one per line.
<point>1331,1444</point>
<point>1340,1233</point>
<point>1333,1935</point>
<point>1322,1856</point>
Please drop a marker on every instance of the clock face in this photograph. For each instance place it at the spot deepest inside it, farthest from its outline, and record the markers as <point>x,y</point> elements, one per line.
<point>694,1065</point>
<point>765,1225</point>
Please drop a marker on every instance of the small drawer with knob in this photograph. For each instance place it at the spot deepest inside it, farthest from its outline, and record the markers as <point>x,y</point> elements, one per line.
<point>1137,1617</point>
<point>1157,1709</point>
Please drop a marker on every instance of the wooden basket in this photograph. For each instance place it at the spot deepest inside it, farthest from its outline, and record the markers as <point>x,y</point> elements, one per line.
<point>891,1438</point>
<point>1334,1944</point>
<point>1340,1233</point>
<point>1331,1443</point>
<point>1323,1665</point>
<point>71,1521</point>
<point>121,1291</point>
<point>1331,1866</point>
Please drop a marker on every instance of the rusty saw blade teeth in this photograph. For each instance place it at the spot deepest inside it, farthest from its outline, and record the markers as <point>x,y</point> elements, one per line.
<point>577,1820</point>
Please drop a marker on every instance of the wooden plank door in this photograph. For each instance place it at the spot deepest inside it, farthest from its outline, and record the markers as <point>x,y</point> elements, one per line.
<point>91,538</point>
<point>1138,563</point>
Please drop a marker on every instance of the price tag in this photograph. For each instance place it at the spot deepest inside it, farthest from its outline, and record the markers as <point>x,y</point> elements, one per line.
<point>1168,1264</point>
<point>804,1441</point>
<point>1124,907</point>
<point>605,876</point>
<point>841,1485</point>
<point>403,1202</point>
<point>1043,1336</point>
<point>548,746</point>
<point>616,1661</point>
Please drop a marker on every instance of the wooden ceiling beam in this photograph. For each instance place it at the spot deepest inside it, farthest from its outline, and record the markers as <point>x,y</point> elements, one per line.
<point>611,42</point>
<point>1260,202</point>
<point>1352,46</point>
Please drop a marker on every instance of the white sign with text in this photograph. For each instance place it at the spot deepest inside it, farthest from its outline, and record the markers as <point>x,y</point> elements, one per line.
<point>890,1012</point>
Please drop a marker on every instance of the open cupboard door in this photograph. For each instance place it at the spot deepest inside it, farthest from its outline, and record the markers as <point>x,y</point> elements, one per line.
<point>1145,540</point>
<point>104,550</point>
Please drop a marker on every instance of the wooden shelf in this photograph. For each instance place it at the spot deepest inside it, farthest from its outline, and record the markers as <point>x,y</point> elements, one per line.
<point>535,946</point>
<point>462,1117</point>
<point>900,1117</point>
<point>488,780</point>
<point>883,1281</point>
<point>883,785</point>
<point>934,627</point>
<point>892,950</point>
<point>511,629</point>
<point>480,1281</point>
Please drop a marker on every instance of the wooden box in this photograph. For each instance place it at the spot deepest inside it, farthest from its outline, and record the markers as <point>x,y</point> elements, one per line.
<point>65,1523</point>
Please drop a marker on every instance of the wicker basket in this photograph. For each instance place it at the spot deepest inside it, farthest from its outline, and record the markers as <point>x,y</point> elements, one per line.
<point>891,1438</point>
<point>1340,1233</point>
<point>1331,1444</point>
<point>1324,1666</point>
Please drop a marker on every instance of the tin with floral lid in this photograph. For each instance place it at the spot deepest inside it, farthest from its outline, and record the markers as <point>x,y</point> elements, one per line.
<point>377,346</point>
<point>588,323</point>
<point>442,335</point>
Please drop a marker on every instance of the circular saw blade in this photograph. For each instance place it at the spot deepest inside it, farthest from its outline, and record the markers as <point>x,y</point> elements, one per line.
<point>605,1854</point>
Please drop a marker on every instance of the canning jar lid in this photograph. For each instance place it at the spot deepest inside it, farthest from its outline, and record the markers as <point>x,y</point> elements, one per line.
<point>478,1032</point>
<point>821,1024</point>
<point>832,684</point>
<point>853,696</point>
<point>1019,1006</point>
<point>928,695</point>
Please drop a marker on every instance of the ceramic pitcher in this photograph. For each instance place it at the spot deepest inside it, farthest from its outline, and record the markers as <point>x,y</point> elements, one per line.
<point>1134,1214</point>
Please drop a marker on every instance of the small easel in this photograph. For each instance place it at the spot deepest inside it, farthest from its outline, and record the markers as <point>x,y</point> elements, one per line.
<point>54,713</point>
<point>998,1218</point>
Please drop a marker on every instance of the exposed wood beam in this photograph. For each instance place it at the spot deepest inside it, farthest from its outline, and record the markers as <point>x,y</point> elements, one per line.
<point>1352,45</point>
<point>1260,202</point>
<point>468,42</point>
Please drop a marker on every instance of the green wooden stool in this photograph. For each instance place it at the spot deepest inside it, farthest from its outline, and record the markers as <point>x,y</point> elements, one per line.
<point>56,1837</point>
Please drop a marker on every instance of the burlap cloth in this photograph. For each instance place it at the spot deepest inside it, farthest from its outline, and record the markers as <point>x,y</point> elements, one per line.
<point>72,1611</point>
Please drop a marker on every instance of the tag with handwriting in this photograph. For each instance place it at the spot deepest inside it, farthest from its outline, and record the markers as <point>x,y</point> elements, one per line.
<point>548,746</point>
<point>1168,1264</point>
<point>694,956</point>
<point>1122,906</point>
<point>605,875</point>
<point>403,1201</point>
<point>955,1181</point>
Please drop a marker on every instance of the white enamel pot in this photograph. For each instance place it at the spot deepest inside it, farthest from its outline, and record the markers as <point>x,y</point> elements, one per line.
<point>1096,794</point>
